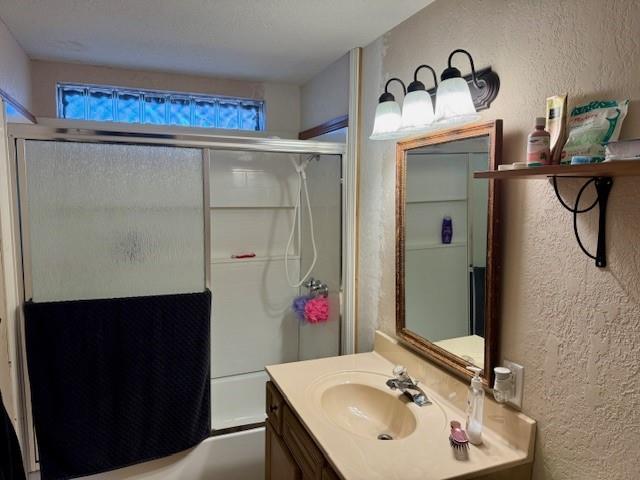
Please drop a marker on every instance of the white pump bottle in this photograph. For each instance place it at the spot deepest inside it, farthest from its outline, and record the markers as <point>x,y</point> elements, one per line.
<point>475,408</point>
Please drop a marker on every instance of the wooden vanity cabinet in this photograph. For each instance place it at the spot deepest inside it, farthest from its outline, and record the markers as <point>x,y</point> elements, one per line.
<point>291,453</point>
<point>279,462</point>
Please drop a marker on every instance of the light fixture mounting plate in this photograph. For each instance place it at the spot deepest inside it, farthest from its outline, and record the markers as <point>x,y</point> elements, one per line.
<point>482,97</point>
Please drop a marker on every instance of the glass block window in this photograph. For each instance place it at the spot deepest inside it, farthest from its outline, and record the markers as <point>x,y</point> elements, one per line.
<point>115,104</point>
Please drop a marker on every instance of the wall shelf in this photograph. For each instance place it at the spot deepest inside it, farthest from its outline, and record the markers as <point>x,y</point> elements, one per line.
<point>599,174</point>
<point>622,168</point>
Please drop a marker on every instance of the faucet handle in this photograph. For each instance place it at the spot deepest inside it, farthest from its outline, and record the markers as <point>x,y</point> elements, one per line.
<point>399,371</point>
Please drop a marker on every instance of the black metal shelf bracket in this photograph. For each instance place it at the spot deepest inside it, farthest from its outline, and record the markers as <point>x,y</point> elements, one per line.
<point>603,187</point>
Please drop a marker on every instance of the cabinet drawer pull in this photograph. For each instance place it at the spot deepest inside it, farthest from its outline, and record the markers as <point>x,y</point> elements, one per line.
<point>273,408</point>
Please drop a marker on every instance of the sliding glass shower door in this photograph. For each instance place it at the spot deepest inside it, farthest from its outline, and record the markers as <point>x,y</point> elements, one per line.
<point>109,220</point>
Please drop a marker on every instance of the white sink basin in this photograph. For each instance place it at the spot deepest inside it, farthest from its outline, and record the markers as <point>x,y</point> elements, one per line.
<point>368,411</point>
<point>360,403</point>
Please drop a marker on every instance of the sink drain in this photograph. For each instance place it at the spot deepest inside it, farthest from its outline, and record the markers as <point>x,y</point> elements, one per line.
<point>385,436</point>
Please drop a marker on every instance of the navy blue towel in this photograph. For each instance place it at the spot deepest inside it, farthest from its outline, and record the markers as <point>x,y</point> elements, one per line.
<point>11,467</point>
<point>116,382</point>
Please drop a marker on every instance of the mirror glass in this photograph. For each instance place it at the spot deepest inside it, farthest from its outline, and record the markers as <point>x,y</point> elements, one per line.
<point>445,258</point>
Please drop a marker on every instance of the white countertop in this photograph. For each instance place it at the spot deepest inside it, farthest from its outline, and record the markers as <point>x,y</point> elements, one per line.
<point>425,454</point>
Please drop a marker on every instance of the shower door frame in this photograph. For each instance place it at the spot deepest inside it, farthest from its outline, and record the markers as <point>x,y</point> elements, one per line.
<point>86,132</point>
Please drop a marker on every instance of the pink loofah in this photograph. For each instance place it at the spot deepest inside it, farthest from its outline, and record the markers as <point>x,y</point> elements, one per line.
<point>316,310</point>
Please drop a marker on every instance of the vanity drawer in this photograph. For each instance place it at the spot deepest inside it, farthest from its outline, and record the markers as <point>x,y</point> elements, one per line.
<point>275,406</point>
<point>304,450</point>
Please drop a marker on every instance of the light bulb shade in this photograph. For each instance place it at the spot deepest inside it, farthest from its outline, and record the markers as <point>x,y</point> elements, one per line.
<point>417,109</point>
<point>387,121</point>
<point>453,101</point>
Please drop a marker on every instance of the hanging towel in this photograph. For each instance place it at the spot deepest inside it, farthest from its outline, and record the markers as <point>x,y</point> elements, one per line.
<point>116,382</point>
<point>11,467</point>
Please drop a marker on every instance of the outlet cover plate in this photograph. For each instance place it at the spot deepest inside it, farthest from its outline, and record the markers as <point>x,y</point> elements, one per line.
<point>518,375</point>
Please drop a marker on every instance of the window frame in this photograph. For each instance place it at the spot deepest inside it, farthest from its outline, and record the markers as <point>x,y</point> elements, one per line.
<point>195,121</point>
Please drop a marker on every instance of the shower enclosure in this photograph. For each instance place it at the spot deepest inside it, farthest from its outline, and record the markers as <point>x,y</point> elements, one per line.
<point>110,214</point>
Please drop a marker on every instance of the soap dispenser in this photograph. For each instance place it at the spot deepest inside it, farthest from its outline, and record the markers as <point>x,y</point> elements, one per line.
<point>475,408</point>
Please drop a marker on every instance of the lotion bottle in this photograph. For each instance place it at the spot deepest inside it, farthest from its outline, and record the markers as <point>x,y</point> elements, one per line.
<point>538,142</point>
<point>475,408</point>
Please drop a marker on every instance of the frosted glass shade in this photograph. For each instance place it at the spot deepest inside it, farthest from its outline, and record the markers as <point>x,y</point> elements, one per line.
<point>453,101</point>
<point>387,121</point>
<point>417,109</point>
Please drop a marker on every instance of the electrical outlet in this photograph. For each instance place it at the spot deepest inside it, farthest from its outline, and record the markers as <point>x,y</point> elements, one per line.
<point>517,371</point>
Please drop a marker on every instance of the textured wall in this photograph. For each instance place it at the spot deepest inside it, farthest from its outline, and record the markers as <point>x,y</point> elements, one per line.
<point>326,95</point>
<point>574,327</point>
<point>282,100</point>
<point>14,68</point>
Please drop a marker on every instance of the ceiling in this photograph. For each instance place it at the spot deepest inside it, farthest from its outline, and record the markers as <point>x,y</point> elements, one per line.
<point>272,40</point>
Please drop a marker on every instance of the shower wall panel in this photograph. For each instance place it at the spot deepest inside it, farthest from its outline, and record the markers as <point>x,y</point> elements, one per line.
<point>252,198</point>
<point>252,179</point>
<point>263,231</point>
<point>253,324</point>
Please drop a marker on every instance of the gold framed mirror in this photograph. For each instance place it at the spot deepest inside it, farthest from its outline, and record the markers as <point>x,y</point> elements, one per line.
<point>448,247</point>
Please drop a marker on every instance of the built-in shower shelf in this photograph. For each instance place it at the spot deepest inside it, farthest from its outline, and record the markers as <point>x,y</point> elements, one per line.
<point>271,258</point>
<point>250,207</point>
<point>443,200</point>
<point>429,246</point>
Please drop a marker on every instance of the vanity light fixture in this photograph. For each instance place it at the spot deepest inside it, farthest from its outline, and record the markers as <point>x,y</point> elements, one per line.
<point>458,100</point>
<point>388,118</point>
<point>453,98</point>
<point>417,107</point>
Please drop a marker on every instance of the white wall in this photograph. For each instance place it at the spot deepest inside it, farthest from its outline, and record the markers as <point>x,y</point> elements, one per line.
<point>574,327</point>
<point>14,68</point>
<point>15,78</point>
<point>282,100</point>
<point>326,95</point>
<point>15,82</point>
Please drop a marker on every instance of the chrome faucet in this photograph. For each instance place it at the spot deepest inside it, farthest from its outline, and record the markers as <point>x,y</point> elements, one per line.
<point>401,381</point>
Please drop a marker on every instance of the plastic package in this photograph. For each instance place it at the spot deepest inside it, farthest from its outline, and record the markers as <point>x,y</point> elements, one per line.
<point>591,126</point>
<point>556,125</point>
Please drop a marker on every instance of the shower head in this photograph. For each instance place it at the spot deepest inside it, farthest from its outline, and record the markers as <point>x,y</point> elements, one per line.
<point>301,167</point>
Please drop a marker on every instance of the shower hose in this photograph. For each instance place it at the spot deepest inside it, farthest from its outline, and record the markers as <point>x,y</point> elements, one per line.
<point>302,185</point>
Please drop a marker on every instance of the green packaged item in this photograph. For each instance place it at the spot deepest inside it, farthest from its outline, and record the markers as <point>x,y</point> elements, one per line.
<point>591,126</point>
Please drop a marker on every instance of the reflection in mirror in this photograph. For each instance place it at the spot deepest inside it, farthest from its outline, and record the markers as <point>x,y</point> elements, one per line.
<point>446,245</point>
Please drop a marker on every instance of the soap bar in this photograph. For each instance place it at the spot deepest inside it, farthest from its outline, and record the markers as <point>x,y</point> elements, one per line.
<point>512,166</point>
<point>243,255</point>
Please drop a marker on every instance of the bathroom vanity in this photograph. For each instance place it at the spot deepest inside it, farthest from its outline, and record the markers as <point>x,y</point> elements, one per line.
<point>336,418</point>
<point>386,414</point>
<point>291,453</point>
